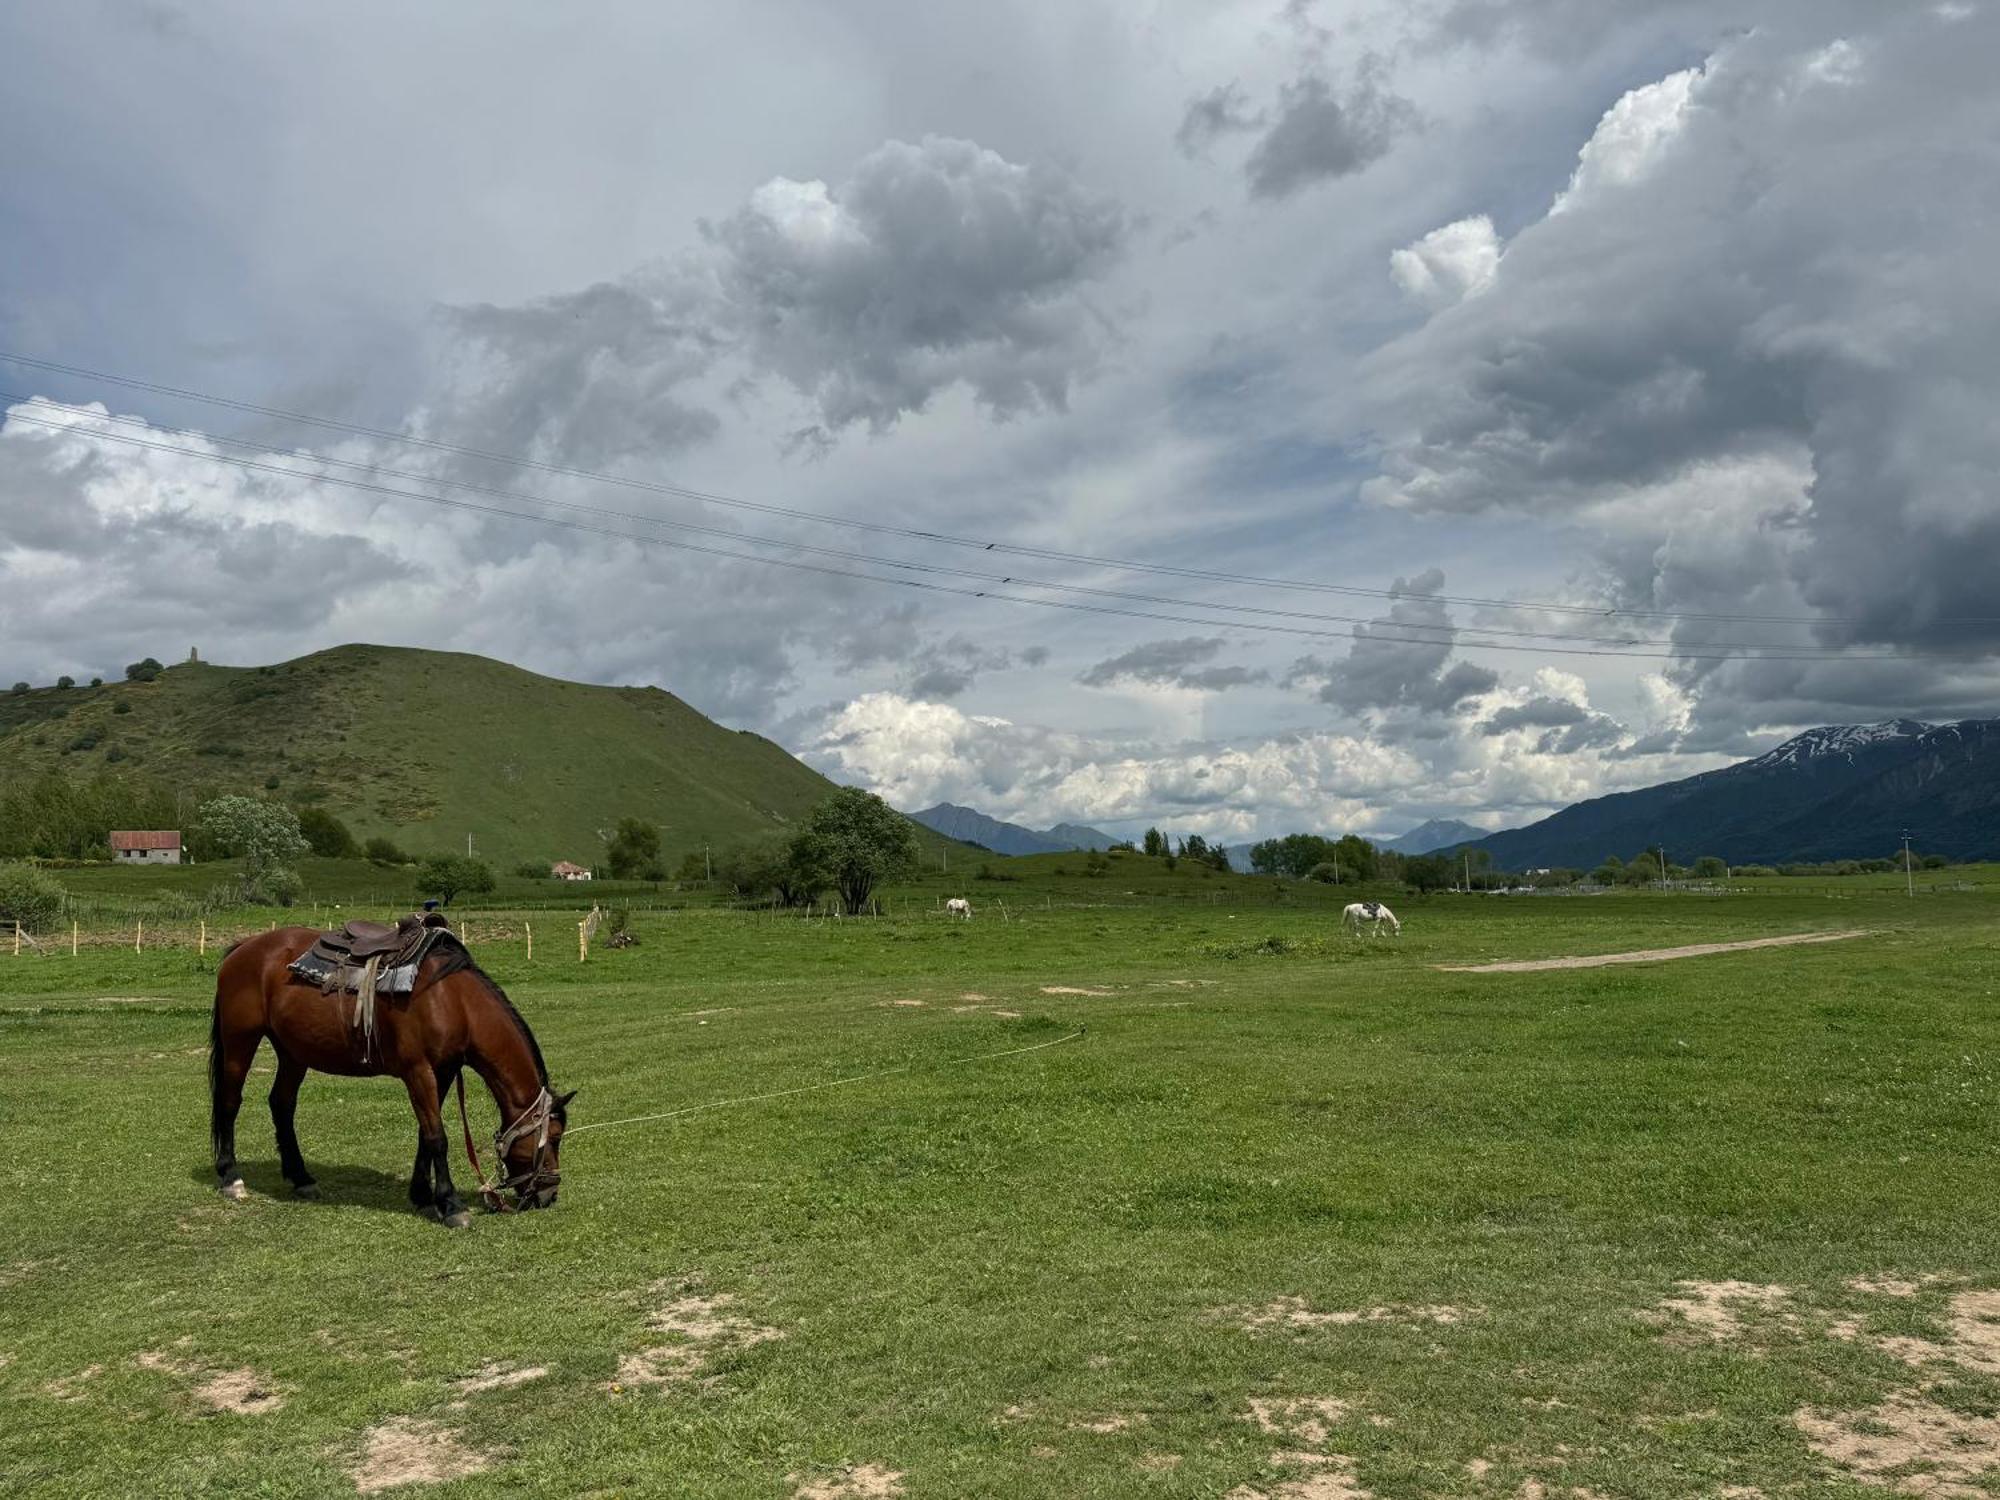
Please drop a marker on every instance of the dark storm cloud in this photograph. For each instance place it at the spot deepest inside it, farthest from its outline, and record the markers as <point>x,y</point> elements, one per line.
<point>935,264</point>
<point>1319,135</point>
<point>1179,664</point>
<point>945,669</point>
<point>1537,713</point>
<point>1223,110</point>
<point>1400,662</point>
<point>1771,401</point>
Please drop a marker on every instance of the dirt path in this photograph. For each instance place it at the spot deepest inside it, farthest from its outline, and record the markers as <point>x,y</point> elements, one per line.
<point>1648,955</point>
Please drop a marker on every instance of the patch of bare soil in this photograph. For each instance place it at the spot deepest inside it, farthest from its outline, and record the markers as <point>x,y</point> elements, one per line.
<point>698,1325</point>
<point>1299,1419</point>
<point>1069,989</point>
<point>1159,1463</point>
<point>70,1387</point>
<point>1296,1313</point>
<point>1327,1476</point>
<point>243,1392</point>
<point>1972,1340</point>
<point>409,1450</point>
<point>1888,1286</point>
<point>1713,1309</point>
<point>1111,1422</point>
<point>910,1004</point>
<point>496,1375</point>
<point>1908,1445</point>
<point>858,1482</point>
<point>1649,955</point>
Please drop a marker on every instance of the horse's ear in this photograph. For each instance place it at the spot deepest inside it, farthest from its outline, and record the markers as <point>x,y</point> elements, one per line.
<point>562,1100</point>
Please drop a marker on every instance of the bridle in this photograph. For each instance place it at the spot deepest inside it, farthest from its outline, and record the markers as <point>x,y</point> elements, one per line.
<point>535,1176</point>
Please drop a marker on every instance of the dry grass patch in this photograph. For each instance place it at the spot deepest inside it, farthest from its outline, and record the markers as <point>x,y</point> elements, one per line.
<point>1327,1476</point>
<point>409,1450</point>
<point>1097,990</point>
<point>1299,1419</point>
<point>1713,1309</point>
<point>495,1375</point>
<point>243,1392</point>
<point>857,1482</point>
<point>699,1326</point>
<point>1295,1313</point>
<point>1908,1445</point>
<point>1972,1341</point>
<point>70,1387</point>
<point>1117,1421</point>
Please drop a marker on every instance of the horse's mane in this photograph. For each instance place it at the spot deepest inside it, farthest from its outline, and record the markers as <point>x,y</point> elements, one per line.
<point>458,959</point>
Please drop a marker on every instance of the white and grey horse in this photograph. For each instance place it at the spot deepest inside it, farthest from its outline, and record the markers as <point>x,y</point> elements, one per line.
<point>1360,913</point>
<point>958,906</point>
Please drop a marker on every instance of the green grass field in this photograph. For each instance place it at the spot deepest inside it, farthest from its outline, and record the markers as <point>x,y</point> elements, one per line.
<point>1297,1216</point>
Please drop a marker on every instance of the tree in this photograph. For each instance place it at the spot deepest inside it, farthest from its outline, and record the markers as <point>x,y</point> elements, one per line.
<point>30,897</point>
<point>1326,872</point>
<point>1357,856</point>
<point>1642,869</point>
<point>97,682</point>
<point>65,682</point>
<point>858,841</point>
<point>264,836</point>
<point>634,851</point>
<point>1155,843</point>
<point>1709,867</point>
<point>448,875</point>
<point>143,671</point>
<point>21,688</point>
<point>329,837</point>
<point>1427,872</point>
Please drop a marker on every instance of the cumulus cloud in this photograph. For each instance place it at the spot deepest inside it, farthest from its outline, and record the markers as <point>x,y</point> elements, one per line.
<point>1449,264</point>
<point>1173,664</point>
<point>1403,661</point>
<point>1319,134</point>
<point>933,265</point>
<point>1768,401</point>
<point>915,754</point>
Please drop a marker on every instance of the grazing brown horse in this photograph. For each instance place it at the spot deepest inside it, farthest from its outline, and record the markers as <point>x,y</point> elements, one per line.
<point>456,1017</point>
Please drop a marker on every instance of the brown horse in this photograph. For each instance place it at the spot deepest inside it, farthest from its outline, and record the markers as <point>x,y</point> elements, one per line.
<point>456,1017</point>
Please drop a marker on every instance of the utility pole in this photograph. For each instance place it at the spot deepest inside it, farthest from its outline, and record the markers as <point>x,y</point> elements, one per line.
<point>1909,880</point>
<point>1663,867</point>
<point>468,846</point>
<point>707,869</point>
<point>1468,874</point>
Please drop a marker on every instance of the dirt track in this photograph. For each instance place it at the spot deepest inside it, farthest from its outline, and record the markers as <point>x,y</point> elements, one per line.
<point>1648,955</point>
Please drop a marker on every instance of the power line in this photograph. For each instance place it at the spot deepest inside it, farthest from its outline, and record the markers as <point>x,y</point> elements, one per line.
<point>1375,633</point>
<point>1448,636</point>
<point>1046,554</point>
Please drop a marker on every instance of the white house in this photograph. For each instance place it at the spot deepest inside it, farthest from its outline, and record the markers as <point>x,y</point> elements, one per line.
<point>146,847</point>
<point>562,869</point>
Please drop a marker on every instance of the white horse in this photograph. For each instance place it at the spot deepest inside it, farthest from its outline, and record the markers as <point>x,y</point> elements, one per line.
<point>1360,912</point>
<point>958,906</point>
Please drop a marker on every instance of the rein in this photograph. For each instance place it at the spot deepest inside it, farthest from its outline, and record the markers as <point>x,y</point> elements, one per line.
<point>534,1118</point>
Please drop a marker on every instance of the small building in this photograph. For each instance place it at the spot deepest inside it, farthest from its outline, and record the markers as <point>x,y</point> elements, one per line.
<point>562,869</point>
<point>146,847</point>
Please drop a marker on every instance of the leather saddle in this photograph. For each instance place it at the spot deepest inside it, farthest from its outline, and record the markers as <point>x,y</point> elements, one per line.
<point>365,959</point>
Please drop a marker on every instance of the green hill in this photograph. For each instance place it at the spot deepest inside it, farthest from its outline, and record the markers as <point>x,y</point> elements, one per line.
<point>427,747</point>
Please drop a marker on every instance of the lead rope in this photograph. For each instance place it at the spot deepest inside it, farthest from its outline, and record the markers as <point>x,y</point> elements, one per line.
<point>807,1088</point>
<point>487,1192</point>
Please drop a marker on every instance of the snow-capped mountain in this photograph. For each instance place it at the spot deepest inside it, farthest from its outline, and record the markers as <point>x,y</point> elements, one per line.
<point>1846,791</point>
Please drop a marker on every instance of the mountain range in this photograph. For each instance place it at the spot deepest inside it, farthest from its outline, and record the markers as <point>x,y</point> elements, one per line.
<point>1845,791</point>
<point>971,826</point>
<point>1438,833</point>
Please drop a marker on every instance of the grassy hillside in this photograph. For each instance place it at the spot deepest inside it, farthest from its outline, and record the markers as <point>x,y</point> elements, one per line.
<point>427,747</point>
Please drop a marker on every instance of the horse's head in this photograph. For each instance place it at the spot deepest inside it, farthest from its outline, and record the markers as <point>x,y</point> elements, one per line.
<point>531,1151</point>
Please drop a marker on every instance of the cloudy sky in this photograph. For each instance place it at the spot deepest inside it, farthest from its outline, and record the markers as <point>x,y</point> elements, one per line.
<point>1359,328</point>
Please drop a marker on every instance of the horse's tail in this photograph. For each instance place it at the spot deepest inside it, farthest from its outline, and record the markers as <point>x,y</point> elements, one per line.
<point>215,1077</point>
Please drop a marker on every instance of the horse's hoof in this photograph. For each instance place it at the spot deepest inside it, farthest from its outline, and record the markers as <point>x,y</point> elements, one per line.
<point>458,1218</point>
<point>306,1190</point>
<point>234,1190</point>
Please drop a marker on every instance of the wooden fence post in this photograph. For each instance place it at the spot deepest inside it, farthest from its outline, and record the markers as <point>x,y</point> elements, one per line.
<point>139,938</point>
<point>529,927</point>
<point>203,941</point>
<point>17,939</point>
<point>72,939</point>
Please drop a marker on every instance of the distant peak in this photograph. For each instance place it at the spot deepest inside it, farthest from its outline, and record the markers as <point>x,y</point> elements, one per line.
<point>1840,739</point>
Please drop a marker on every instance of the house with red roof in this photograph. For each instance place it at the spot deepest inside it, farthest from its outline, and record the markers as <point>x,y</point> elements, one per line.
<point>146,847</point>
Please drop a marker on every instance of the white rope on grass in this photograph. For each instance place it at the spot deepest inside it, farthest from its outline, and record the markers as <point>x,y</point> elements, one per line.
<point>807,1088</point>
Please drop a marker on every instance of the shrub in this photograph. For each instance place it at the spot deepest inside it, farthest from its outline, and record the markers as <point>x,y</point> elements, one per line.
<point>65,682</point>
<point>31,897</point>
<point>1709,867</point>
<point>122,706</point>
<point>115,753</point>
<point>88,740</point>
<point>1096,864</point>
<point>1325,873</point>
<point>97,682</point>
<point>447,875</point>
<point>144,670</point>
<point>384,852</point>
<point>328,836</point>
<point>529,869</point>
<point>20,688</point>
<point>275,885</point>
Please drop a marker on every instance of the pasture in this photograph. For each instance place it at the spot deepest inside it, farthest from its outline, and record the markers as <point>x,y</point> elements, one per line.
<point>1298,1216</point>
